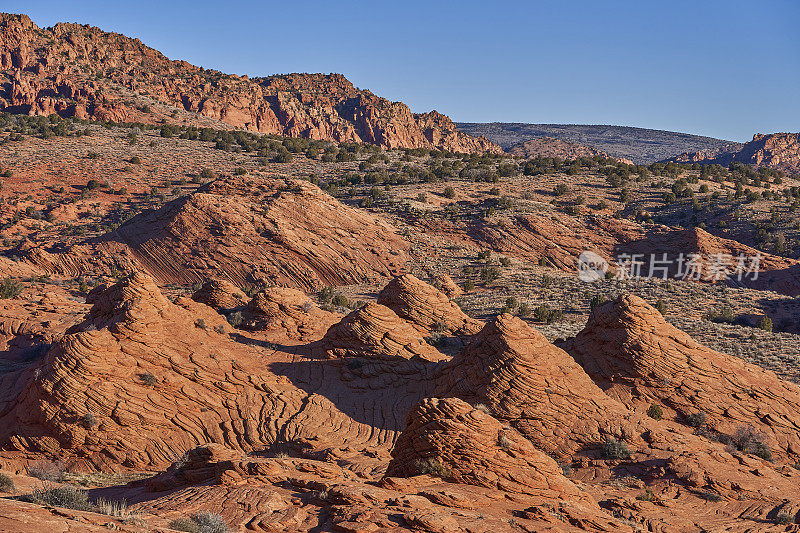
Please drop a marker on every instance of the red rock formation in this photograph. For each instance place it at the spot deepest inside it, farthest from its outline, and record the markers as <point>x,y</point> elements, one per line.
<point>535,386</point>
<point>375,331</point>
<point>780,151</point>
<point>259,231</point>
<point>425,306</point>
<point>283,308</point>
<point>69,69</point>
<point>219,294</point>
<point>451,439</point>
<point>638,358</point>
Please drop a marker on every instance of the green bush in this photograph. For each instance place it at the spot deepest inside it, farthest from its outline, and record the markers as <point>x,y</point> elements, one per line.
<point>661,307</point>
<point>614,449</point>
<point>432,466</point>
<point>696,420</point>
<point>66,496</point>
<point>655,412</point>
<point>765,323</point>
<point>10,288</point>
<point>449,192</point>
<point>6,484</point>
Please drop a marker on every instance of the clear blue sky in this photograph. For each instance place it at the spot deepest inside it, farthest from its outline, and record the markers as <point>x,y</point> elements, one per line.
<point>721,68</point>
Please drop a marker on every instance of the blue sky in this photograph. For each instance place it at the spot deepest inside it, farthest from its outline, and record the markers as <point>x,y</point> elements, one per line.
<point>726,69</point>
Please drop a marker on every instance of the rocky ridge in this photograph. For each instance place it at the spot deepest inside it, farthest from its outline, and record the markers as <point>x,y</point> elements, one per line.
<point>73,69</point>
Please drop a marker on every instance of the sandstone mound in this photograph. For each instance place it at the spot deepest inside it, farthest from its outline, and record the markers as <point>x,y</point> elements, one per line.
<point>288,309</point>
<point>259,231</point>
<point>535,386</point>
<point>143,379</point>
<point>425,306</point>
<point>451,439</point>
<point>638,358</point>
<point>376,332</point>
<point>219,294</point>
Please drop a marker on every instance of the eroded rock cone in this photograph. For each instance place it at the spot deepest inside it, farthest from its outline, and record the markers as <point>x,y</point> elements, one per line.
<point>376,332</point>
<point>219,294</point>
<point>535,386</point>
<point>638,358</point>
<point>288,309</point>
<point>451,439</point>
<point>426,306</point>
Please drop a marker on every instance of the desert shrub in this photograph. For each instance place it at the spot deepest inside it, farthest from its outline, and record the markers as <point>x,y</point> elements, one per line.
<point>561,189</point>
<point>596,300</point>
<point>655,412</point>
<point>449,192</point>
<point>432,466</point>
<point>489,274</point>
<point>505,261</point>
<point>10,288</point>
<point>92,155</point>
<point>661,307</point>
<point>765,323</point>
<point>614,449</point>
<point>6,484</point>
<point>148,379</point>
<point>201,323</point>
<point>45,471</point>
<point>206,174</point>
<point>523,310</point>
<point>696,420</point>
<point>469,285</point>
<point>724,315</point>
<point>504,442</point>
<point>746,439</point>
<point>235,319</point>
<point>647,496</point>
<point>340,300</point>
<point>66,496</point>
<point>282,157</point>
<point>202,522</point>
<point>116,508</point>
<point>545,314</point>
<point>89,420</point>
<point>784,519</point>
<point>136,160</point>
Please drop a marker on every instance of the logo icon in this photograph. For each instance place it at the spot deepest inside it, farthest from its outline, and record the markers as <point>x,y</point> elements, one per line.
<point>591,267</point>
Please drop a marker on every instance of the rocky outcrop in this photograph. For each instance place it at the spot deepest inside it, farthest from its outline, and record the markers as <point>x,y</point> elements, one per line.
<point>76,70</point>
<point>426,307</point>
<point>284,308</point>
<point>780,151</point>
<point>219,294</point>
<point>535,386</point>
<point>375,331</point>
<point>259,231</point>
<point>638,358</point>
<point>451,439</point>
<point>552,147</point>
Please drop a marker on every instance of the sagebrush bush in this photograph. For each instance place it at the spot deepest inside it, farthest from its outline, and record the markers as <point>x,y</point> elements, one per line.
<point>614,449</point>
<point>6,483</point>
<point>203,522</point>
<point>432,466</point>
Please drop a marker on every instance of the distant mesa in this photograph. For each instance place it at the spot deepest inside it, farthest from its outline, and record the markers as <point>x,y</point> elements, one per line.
<point>552,147</point>
<point>640,145</point>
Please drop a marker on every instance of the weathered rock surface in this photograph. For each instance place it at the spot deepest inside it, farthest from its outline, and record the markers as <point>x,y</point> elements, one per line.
<point>53,70</point>
<point>259,231</point>
<point>425,306</point>
<point>284,308</point>
<point>469,446</point>
<point>638,358</point>
<point>780,151</point>
<point>375,331</point>
<point>219,294</point>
